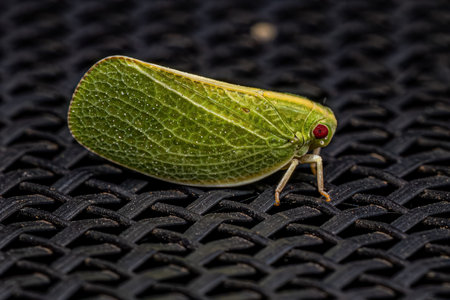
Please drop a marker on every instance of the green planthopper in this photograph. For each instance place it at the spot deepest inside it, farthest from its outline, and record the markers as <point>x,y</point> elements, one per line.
<point>193,130</point>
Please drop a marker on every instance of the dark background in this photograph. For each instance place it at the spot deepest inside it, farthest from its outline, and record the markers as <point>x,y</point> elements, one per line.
<point>73,225</point>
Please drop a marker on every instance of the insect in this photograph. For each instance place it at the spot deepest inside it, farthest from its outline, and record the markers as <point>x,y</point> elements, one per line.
<point>192,130</point>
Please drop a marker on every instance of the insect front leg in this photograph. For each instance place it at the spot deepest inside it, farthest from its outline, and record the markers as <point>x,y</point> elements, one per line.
<point>313,165</point>
<point>317,160</point>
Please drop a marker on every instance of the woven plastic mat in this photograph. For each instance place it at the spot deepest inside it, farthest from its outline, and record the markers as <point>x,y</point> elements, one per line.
<point>74,226</point>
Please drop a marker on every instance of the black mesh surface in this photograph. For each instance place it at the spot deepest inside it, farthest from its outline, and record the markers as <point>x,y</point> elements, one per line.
<point>74,226</point>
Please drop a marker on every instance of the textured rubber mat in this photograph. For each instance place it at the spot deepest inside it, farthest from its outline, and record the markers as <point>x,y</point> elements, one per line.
<point>74,226</point>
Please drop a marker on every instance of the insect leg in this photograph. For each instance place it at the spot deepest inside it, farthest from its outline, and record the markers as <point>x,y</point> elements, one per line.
<point>313,165</point>
<point>284,180</point>
<point>317,160</point>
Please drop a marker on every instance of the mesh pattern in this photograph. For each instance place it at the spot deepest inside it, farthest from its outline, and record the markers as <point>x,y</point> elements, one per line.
<point>75,226</point>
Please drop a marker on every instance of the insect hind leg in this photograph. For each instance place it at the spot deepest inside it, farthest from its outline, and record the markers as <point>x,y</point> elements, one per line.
<point>284,180</point>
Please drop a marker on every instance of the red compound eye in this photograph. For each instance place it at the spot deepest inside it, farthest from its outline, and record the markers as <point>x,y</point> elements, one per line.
<point>320,132</point>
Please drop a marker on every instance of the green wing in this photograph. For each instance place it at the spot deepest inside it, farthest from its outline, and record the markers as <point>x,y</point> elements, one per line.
<point>177,126</point>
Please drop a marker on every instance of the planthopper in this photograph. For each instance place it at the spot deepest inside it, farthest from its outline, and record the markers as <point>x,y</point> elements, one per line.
<point>192,130</point>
